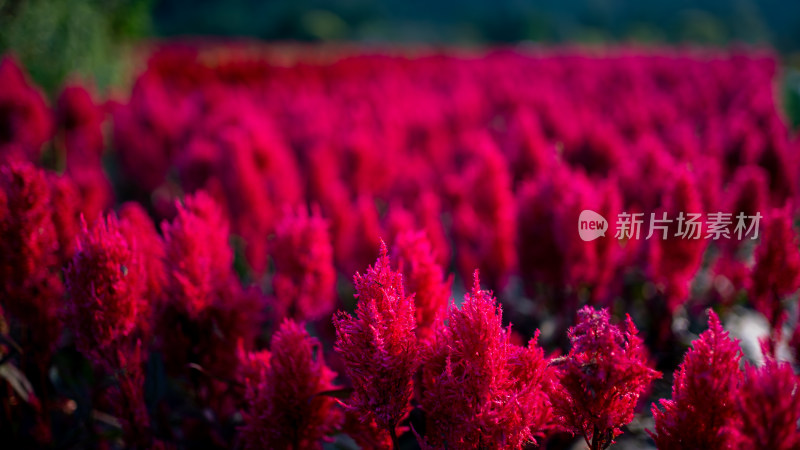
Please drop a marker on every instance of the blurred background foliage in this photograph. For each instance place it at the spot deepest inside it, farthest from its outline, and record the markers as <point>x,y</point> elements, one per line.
<point>86,38</point>
<point>94,39</point>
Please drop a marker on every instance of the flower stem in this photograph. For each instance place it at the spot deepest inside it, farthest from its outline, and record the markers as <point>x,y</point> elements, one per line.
<point>393,434</point>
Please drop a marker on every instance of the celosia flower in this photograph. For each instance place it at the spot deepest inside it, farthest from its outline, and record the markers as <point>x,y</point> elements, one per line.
<point>237,153</point>
<point>425,215</point>
<point>379,346</point>
<point>776,273</point>
<point>549,250</point>
<point>601,378</point>
<point>305,278</point>
<point>30,258</point>
<point>479,389</point>
<point>148,256</point>
<point>148,129</point>
<point>205,311</point>
<point>748,193</point>
<point>703,408</point>
<point>105,304</point>
<point>105,291</point>
<point>674,261</point>
<point>80,137</point>
<point>527,148</point>
<point>66,215</point>
<point>197,252</point>
<point>769,405</point>
<point>423,277</point>
<point>25,122</point>
<point>483,213</point>
<point>355,227</point>
<point>80,122</point>
<point>283,406</point>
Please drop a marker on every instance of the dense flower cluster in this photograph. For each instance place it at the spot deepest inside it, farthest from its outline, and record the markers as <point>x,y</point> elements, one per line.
<point>776,272</point>
<point>479,389</point>
<point>423,276</point>
<point>305,279</point>
<point>106,308</point>
<point>682,131</point>
<point>284,405</point>
<point>703,410</point>
<point>206,311</point>
<point>224,203</point>
<point>769,404</point>
<point>601,379</point>
<point>26,121</point>
<point>105,295</point>
<point>379,346</point>
<point>30,257</point>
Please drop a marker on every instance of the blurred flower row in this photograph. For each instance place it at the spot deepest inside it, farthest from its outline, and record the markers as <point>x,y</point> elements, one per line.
<point>275,182</point>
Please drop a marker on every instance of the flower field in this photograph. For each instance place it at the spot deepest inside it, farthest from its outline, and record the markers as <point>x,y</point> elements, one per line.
<point>261,248</point>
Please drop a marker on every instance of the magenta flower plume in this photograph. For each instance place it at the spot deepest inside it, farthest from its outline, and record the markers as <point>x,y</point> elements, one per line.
<point>483,212</point>
<point>379,346</point>
<point>776,273</point>
<point>601,378</point>
<point>704,395</point>
<point>673,262</point>
<point>104,290</point>
<point>80,120</point>
<point>25,121</point>
<point>197,253</point>
<point>305,277</point>
<point>30,284</point>
<point>424,277</point>
<point>769,404</point>
<point>105,304</point>
<point>283,408</point>
<point>148,251</point>
<point>480,390</point>
<point>205,310</point>
<point>65,197</point>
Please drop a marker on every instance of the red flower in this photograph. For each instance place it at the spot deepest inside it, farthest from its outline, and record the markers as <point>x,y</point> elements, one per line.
<point>483,213</point>
<point>105,307</point>
<point>105,292</point>
<point>205,311</point>
<point>80,121</point>
<point>674,261</point>
<point>480,390</point>
<point>549,250</point>
<point>25,122</point>
<point>379,346</point>
<point>423,277</point>
<point>30,259</point>
<point>776,273</point>
<point>601,378</point>
<point>305,278</point>
<point>148,255</point>
<point>66,213</point>
<point>198,256</point>
<point>769,404</point>
<point>703,409</point>
<point>283,408</point>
